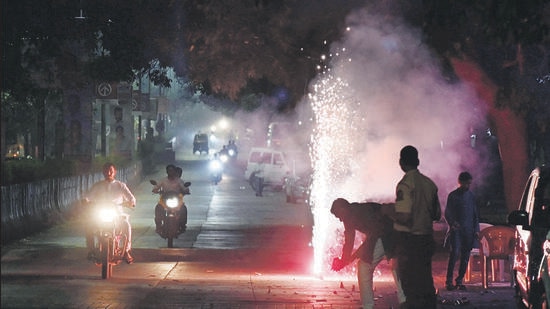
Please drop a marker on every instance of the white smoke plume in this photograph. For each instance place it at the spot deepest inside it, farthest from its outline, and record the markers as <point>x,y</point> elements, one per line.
<point>381,90</point>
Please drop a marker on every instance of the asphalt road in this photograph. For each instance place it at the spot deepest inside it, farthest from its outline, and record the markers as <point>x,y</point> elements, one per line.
<point>239,251</point>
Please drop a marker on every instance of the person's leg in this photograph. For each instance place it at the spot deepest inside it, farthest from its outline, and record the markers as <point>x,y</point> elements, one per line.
<point>426,289</point>
<point>404,269</point>
<point>159,217</point>
<point>365,275</point>
<point>127,229</point>
<point>417,273</point>
<point>400,294</point>
<point>465,248</point>
<point>183,218</point>
<point>260,185</point>
<point>453,256</point>
<point>90,240</point>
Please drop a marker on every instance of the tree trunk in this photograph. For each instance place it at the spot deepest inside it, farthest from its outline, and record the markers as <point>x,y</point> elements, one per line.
<point>510,130</point>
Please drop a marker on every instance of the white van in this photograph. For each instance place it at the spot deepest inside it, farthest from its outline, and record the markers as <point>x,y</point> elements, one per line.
<point>275,167</point>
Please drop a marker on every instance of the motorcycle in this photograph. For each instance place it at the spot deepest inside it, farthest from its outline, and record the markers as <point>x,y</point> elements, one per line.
<point>232,151</point>
<point>110,241</point>
<point>216,169</point>
<point>174,207</point>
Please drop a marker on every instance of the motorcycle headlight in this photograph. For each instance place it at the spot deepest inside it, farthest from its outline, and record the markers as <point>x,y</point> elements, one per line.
<point>215,165</point>
<point>224,158</point>
<point>231,152</point>
<point>107,214</point>
<point>172,202</point>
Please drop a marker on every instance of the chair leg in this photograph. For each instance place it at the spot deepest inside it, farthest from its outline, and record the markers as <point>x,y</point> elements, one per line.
<point>511,269</point>
<point>494,266</point>
<point>484,273</point>
<point>468,271</point>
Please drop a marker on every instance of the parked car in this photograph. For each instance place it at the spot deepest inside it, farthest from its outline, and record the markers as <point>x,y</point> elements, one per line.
<point>297,188</point>
<point>532,221</point>
<point>275,166</point>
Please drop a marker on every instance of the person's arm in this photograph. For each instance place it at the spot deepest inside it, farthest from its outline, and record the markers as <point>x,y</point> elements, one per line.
<point>184,190</point>
<point>476,217</point>
<point>450,216</point>
<point>93,192</point>
<point>436,208</point>
<point>129,198</point>
<point>349,240</point>
<point>159,186</point>
<point>403,205</point>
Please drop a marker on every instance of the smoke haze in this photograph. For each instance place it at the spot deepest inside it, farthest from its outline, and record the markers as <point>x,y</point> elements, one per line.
<point>394,95</point>
<point>382,89</point>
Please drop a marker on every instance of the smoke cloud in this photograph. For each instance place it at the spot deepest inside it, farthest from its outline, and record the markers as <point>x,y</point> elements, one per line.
<point>382,89</point>
<point>393,94</point>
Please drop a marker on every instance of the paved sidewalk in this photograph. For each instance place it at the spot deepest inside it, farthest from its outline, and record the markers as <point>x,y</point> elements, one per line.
<point>209,278</point>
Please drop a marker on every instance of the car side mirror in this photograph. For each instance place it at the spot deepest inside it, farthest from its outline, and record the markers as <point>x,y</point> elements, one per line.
<point>153,182</point>
<point>519,217</point>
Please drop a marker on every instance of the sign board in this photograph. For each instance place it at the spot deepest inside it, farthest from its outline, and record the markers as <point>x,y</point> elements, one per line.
<point>106,90</point>
<point>124,93</point>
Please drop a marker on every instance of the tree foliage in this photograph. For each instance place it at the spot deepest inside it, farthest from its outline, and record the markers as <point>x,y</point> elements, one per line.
<point>247,49</point>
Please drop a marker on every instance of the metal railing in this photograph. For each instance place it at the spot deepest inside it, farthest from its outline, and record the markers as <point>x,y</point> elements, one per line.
<point>25,208</point>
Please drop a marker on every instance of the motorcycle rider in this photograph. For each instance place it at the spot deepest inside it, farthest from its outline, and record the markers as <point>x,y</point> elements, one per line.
<point>232,148</point>
<point>216,168</point>
<point>172,183</point>
<point>112,191</point>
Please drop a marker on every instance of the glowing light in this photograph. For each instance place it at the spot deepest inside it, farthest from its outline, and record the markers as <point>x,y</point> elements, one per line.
<point>332,102</point>
<point>365,110</point>
<point>224,124</point>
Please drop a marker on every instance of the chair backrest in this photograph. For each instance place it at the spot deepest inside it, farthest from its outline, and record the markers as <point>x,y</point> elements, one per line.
<point>497,242</point>
<point>483,226</point>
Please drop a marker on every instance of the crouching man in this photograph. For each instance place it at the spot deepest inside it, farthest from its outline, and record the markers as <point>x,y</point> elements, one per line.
<point>366,218</point>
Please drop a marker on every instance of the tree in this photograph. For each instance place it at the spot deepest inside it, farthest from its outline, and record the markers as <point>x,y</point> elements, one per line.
<point>56,45</point>
<point>502,49</point>
<point>243,50</point>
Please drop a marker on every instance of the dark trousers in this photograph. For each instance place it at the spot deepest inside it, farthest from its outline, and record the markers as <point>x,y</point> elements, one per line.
<point>461,245</point>
<point>259,186</point>
<point>414,257</point>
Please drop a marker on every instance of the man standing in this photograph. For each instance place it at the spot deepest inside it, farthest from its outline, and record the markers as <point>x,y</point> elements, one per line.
<point>416,207</point>
<point>259,176</point>
<point>113,191</point>
<point>462,216</point>
<point>367,219</point>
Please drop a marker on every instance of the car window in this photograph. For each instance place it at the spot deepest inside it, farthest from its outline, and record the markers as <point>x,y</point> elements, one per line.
<point>277,159</point>
<point>523,205</point>
<point>530,203</point>
<point>255,157</point>
<point>527,194</point>
<point>267,157</point>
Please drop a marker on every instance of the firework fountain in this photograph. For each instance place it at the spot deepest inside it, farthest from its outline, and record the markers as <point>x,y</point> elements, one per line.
<point>379,90</point>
